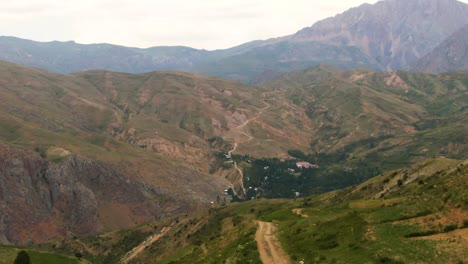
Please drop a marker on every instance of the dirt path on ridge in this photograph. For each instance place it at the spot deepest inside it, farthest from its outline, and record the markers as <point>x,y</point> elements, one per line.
<point>269,247</point>
<point>138,249</point>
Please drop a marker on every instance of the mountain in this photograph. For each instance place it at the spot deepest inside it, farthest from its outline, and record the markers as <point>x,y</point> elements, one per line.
<point>242,63</point>
<point>395,33</point>
<point>450,55</point>
<point>389,35</point>
<point>285,56</point>
<point>416,214</point>
<point>67,57</point>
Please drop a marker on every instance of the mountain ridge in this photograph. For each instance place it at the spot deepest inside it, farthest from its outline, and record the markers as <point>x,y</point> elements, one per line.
<point>388,35</point>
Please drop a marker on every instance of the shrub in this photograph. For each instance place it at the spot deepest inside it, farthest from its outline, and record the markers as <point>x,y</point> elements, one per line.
<point>227,165</point>
<point>22,258</point>
<point>450,228</point>
<point>421,233</point>
<point>400,183</point>
<point>297,154</point>
<point>78,255</point>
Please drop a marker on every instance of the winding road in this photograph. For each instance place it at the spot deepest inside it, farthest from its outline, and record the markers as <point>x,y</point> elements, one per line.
<point>238,131</point>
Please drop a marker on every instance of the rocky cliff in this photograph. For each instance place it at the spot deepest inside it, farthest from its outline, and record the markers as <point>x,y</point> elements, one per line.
<point>41,200</point>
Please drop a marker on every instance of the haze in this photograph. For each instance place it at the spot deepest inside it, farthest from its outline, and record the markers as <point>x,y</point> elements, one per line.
<point>208,24</point>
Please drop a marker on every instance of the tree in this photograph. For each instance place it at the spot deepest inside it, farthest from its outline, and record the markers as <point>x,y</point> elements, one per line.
<point>22,258</point>
<point>400,183</point>
<point>78,255</point>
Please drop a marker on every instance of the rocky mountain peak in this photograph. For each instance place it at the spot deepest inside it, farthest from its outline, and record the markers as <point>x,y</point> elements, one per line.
<point>395,33</point>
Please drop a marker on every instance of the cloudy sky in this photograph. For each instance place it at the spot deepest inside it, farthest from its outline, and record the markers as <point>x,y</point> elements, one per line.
<point>208,24</point>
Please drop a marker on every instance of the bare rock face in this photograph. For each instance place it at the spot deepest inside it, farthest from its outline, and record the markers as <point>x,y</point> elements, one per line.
<point>396,33</point>
<point>40,200</point>
<point>450,55</point>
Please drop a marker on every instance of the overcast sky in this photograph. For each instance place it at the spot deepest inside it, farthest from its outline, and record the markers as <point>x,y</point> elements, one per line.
<point>207,24</point>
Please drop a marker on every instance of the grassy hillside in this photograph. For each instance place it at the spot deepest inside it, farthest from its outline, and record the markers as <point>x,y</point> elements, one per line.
<point>8,255</point>
<point>364,115</point>
<point>417,214</point>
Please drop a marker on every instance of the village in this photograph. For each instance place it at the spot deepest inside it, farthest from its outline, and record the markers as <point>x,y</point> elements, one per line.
<point>292,178</point>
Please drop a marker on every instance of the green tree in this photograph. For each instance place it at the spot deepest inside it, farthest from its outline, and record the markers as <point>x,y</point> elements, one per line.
<point>78,255</point>
<point>22,258</point>
<point>400,183</point>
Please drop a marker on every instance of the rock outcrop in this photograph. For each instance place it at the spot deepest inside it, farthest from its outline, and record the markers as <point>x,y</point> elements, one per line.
<point>41,200</point>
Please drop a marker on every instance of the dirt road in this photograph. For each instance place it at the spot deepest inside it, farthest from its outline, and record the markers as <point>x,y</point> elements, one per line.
<point>269,247</point>
<point>299,212</point>
<point>238,131</point>
<point>138,249</point>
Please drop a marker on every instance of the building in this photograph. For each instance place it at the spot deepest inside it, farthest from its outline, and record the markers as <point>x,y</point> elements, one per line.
<point>306,165</point>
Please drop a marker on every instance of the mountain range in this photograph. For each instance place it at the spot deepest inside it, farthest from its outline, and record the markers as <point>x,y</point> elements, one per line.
<point>389,35</point>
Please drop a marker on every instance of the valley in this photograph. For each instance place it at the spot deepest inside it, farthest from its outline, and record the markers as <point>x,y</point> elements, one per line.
<point>344,142</point>
<point>151,135</point>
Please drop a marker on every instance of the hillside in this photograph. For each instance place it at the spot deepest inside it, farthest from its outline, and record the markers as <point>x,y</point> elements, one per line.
<point>174,141</point>
<point>43,200</point>
<point>388,35</point>
<point>450,55</point>
<point>61,131</point>
<point>412,215</point>
<point>382,116</point>
<point>160,137</point>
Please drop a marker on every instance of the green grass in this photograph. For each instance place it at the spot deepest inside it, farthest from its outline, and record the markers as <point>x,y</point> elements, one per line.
<point>176,257</point>
<point>9,130</point>
<point>8,255</point>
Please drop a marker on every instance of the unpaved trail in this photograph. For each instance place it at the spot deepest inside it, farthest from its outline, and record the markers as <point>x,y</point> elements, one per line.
<point>138,249</point>
<point>86,248</point>
<point>299,212</point>
<point>239,131</point>
<point>269,247</point>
